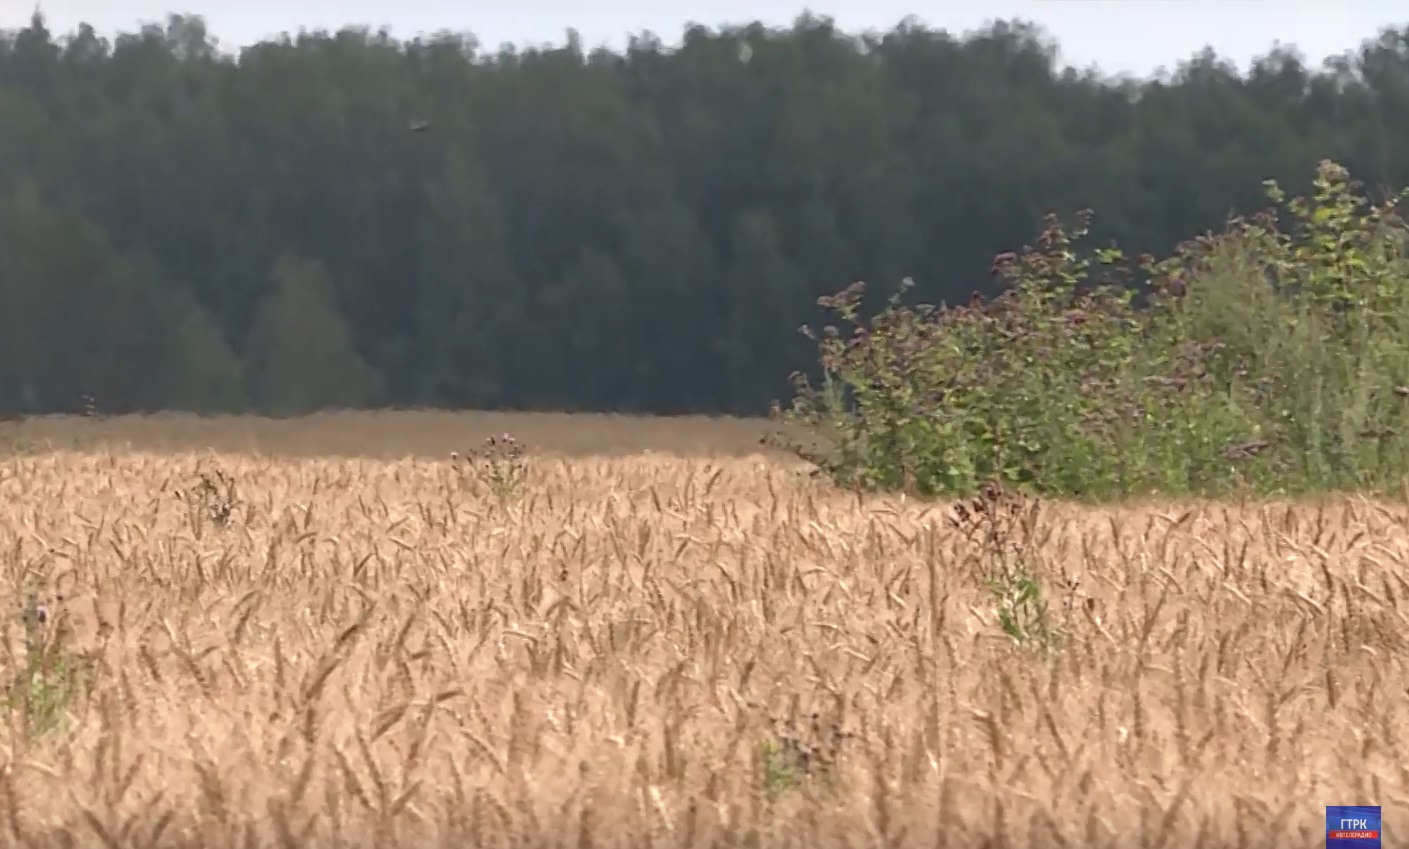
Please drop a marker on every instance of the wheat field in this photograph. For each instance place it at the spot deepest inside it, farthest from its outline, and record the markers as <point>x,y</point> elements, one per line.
<point>672,650</point>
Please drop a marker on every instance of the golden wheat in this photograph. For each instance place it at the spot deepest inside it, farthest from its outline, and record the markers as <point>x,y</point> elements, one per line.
<point>657,651</point>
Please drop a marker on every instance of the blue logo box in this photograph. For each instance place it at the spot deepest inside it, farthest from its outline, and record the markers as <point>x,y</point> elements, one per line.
<point>1353,827</point>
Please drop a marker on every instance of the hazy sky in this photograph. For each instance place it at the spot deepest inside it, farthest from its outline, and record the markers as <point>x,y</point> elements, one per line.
<point>1119,35</point>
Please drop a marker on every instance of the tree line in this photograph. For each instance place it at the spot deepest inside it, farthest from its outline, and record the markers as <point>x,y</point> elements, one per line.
<point>352,220</point>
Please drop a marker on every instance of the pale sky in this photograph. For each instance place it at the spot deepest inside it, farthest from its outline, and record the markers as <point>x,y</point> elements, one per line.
<point>1134,36</point>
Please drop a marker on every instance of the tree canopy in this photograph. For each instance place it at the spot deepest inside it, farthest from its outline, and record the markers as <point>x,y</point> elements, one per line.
<point>347,219</point>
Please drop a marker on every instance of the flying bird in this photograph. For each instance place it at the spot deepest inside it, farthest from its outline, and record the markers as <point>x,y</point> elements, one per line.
<point>419,126</point>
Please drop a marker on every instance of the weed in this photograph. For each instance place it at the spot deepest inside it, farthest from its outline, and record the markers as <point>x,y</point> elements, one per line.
<point>211,500</point>
<point>498,466</point>
<point>1004,527</point>
<point>799,751</point>
<point>50,676</point>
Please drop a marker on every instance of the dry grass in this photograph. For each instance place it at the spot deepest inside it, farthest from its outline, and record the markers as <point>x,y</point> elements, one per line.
<point>655,651</point>
<point>390,434</point>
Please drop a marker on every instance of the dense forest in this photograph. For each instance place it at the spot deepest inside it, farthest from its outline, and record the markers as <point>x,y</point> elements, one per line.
<point>347,220</point>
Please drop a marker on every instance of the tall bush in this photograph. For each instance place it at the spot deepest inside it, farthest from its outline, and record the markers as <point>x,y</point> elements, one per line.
<point>1272,357</point>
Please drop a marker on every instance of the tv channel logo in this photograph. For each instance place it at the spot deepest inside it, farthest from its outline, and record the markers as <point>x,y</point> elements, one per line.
<point>1353,827</point>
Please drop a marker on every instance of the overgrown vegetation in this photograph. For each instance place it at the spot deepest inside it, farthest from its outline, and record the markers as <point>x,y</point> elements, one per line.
<point>1272,358</point>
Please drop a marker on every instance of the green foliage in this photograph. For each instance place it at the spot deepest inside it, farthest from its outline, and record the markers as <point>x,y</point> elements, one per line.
<point>300,354</point>
<point>783,768</point>
<point>1272,357</point>
<point>196,363</point>
<point>50,676</point>
<point>1002,530</point>
<point>799,752</point>
<point>634,231</point>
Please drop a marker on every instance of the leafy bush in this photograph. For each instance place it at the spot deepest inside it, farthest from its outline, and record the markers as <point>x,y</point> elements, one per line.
<point>1273,357</point>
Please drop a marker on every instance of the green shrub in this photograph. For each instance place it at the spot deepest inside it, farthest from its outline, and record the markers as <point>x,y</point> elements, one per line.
<point>1273,357</point>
